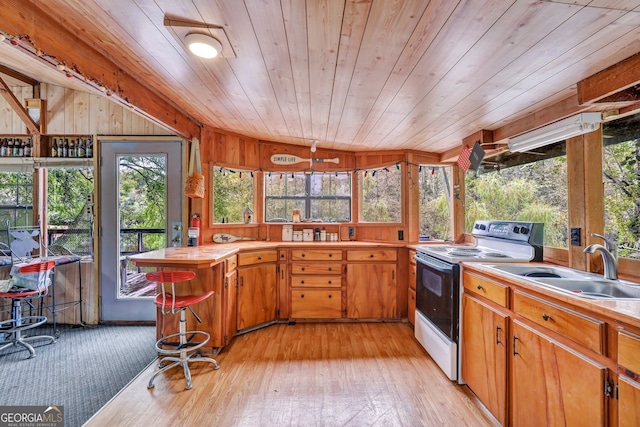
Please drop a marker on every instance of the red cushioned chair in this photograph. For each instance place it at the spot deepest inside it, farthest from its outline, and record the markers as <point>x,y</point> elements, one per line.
<point>14,327</point>
<point>182,351</point>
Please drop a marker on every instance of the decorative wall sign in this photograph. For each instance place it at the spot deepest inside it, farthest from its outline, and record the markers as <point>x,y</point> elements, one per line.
<point>289,159</point>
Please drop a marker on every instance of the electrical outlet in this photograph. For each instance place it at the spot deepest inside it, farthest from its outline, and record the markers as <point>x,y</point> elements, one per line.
<point>400,234</point>
<point>575,236</point>
<point>352,233</point>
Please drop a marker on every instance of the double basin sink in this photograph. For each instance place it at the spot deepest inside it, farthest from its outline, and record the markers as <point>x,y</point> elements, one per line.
<point>575,282</point>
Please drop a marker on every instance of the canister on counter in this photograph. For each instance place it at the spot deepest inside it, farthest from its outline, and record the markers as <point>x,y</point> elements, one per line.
<point>287,233</point>
<point>297,236</point>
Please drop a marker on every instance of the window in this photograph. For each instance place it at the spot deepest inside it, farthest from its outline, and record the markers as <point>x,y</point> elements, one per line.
<point>232,194</point>
<point>621,175</point>
<point>523,188</point>
<point>318,196</point>
<point>382,195</point>
<point>434,202</point>
<point>16,200</point>
<point>69,222</point>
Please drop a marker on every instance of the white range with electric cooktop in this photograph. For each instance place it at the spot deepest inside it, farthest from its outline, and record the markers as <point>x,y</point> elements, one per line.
<point>438,289</point>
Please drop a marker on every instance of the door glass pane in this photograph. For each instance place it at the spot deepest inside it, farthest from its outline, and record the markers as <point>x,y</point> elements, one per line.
<point>142,207</point>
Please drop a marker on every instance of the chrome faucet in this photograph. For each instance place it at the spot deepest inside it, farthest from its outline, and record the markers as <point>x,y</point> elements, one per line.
<point>609,254</point>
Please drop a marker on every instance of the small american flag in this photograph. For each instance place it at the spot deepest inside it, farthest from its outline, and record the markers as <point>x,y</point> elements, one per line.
<point>463,158</point>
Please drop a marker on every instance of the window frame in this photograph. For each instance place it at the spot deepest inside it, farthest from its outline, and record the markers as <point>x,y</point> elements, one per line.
<point>392,166</point>
<point>254,184</point>
<point>308,197</point>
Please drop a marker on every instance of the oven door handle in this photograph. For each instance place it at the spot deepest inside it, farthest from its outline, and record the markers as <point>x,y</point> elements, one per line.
<point>441,267</point>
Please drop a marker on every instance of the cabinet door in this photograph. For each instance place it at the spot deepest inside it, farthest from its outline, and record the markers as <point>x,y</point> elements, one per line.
<point>553,385</point>
<point>230,311</point>
<point>256,295</point>
<point>371,291</point>
<point>628,403</point>
<point>484,354</point>
<point>411,312</point>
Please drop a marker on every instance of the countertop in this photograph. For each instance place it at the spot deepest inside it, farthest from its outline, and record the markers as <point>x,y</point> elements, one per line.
<point>208,255</point>
<point>621,310</point>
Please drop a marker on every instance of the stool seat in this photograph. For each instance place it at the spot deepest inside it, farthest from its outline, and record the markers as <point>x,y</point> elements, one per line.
<point>182,301</point>
<point>19,294</point>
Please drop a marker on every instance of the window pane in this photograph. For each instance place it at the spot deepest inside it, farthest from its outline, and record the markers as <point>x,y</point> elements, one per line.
<point>621,169</point>
<point>284,184</point>
<point>381,195</point>
<point>69,225</point>
<point>331,185</point>
<point>535,191</point>
<point>16,200</point>
<point>232,194</point>
<point>331,210</point>
<point>281,210</point>
<point>434,202</point>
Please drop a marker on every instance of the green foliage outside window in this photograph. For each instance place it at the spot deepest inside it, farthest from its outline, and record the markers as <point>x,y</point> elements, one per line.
<point>232,194</point>
<point>16,200</point>
<point>434,202</point>
<point>621,170</point>
<point>531,192</point>
<point>382,195</point>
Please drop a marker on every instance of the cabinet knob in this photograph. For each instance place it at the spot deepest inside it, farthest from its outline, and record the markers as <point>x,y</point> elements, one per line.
<point>330,295</point>
<point>329,268</point>
<point>302,269</point>
<point>329,281</point>
<point>480,287</point>
<point>302,281</point>
<point>301,295</point>
<point>371,256</point>
<point>302,255</point>
<point>259,258</point>
<point>330,255</point>
<point>546,317</point>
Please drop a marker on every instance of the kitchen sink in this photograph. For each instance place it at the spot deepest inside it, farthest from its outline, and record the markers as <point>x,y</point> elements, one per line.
<point>547,271</point>
<point>575,282</point>
<point>600,288</point>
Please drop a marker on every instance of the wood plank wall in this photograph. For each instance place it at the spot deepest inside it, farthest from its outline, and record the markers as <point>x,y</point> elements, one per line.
<point>10,123</point>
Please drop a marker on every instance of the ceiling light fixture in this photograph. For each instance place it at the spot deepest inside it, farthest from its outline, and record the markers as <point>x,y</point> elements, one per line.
<point>203,45</point>
<point>572,126</point>
<point>313,145</point>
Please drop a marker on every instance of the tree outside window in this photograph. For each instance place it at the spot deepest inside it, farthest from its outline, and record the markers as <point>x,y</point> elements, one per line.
<point>382,195</point>
<point>434,202</point>
<point>232,194</point>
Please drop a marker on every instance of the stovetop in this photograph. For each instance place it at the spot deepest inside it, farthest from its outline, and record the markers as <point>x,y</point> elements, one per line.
<point>506,241</point>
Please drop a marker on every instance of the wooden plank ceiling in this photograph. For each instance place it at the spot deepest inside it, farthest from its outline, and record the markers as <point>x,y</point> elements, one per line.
<point>352,74</point>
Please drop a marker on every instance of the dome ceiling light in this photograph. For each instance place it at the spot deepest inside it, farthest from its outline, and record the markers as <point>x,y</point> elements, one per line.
<point>203,45</point>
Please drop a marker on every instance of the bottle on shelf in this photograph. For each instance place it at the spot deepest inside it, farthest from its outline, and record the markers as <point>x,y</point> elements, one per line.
<point>72,148</point>
<point>54,147</point>
<point>19,147</point>
<point>10,147</point>
<point>65,148</point>
<point>80,147</point>
<point>89,149</point>
<point>28,152</point>
<point>3,148</point>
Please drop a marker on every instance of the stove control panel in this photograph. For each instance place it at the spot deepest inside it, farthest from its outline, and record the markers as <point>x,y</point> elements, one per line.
<point>530,232</point>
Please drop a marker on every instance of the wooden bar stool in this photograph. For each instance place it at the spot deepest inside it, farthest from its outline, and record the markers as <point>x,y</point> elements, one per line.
<point>180,352</point>
<point>38,277</point>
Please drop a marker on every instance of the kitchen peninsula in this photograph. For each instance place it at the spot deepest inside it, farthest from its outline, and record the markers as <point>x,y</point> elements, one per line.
<point>258,283</point>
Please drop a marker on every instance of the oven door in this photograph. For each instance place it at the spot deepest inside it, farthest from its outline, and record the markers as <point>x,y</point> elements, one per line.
<point>438,293</point>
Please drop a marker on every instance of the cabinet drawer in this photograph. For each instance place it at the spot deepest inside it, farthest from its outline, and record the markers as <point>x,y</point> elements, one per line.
<point>315,282</point>
<point>316,304</point>
<point>584,330</point>
<point>232,263</point>
<point>316,268</point>
<point>491,290</point>
<point>258,257</point>
<point>282,255</point>
<point>372,255</point>
<point>412,255</point>
<point>316,255</point>
<point>629,352</point>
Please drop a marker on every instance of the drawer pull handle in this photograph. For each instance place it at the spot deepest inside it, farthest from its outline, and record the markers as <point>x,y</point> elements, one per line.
<point>329,281</point>
<point>371,256</point>
<point>546,317</point>
<point>329,268</point>
<point>301,295</point>
<point>259,258</point>
<point>329,295</point>
<point>302,268</point>
<point>302,281</point>
<point>515,338</point>
<point>330,255</point>
<point>498,329</point>
<point>302,255</point>
<point>480,287</point>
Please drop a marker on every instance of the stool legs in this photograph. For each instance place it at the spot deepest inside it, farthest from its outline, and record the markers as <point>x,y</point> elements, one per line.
<point>19,324</point>
<point>180,355</point>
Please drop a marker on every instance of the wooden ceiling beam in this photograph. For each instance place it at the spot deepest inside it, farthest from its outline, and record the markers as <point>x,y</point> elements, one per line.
<point>52,38</point>
<point>609,81</point>
<point>11,99</point>
<point>18,76</point>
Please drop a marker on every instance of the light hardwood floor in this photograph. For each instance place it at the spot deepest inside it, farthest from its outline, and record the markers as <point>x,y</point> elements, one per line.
<point>338,374</point>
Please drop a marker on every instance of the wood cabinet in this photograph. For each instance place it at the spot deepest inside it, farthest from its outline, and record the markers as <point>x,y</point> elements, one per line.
<point>257,283</point>
<point>316,283</point>
<point>629,379</point>
<point>411,291</point>
<point>371,290</point>
<point>230,309</point>
<point>484,341</point>
<point>552,384</point>
<point>526,357</point>
<point>282,311</point>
